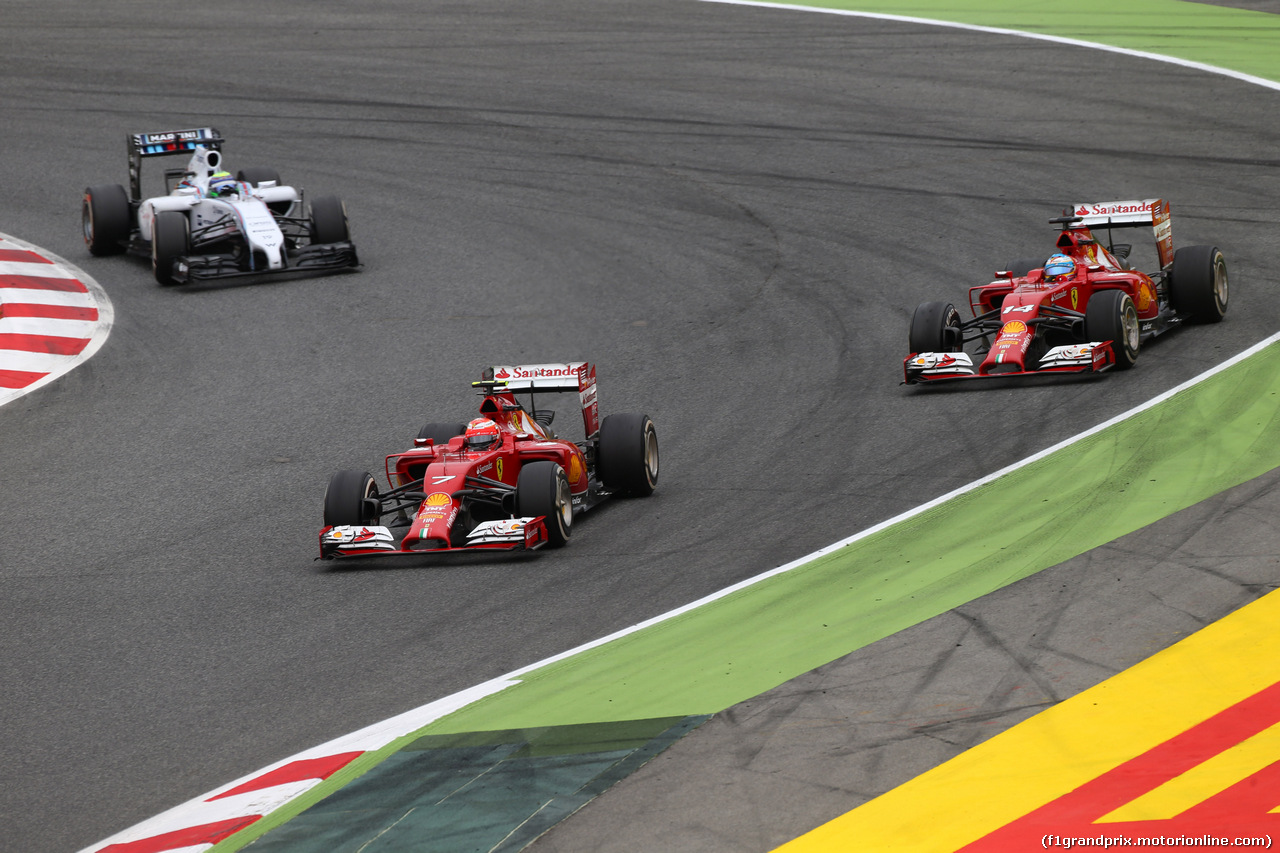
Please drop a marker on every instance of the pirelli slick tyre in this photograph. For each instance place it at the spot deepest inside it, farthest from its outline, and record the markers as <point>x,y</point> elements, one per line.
<point>106,219</point>
<point>935,327</point>
<point>1198,283</point>
<point>542,489</point>
<point>440,433</point>
<point>329,220</point>
<point>627,454</point>
<point>1112,316</point>
<point>170,240</point>
<point>352,498</point>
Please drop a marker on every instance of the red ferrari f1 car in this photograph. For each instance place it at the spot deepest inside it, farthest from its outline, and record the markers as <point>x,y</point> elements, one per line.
<point>503,481</point>
<point>1082,310</point>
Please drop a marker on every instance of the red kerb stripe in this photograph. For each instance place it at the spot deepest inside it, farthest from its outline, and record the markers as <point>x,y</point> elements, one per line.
<point>37,282</point>
<point>296,771</point>
<point>23,257</point>
<point>18,378</point>
<point>43,343</point>
<point>209,833</point>
<point>49,312</point>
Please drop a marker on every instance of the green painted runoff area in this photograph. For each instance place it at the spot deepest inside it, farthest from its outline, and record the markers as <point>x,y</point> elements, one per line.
<point>1206,439</point>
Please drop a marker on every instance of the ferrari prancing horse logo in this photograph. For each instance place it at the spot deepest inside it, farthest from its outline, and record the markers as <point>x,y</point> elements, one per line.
<point>1075,300</point>
<point>498,467</point>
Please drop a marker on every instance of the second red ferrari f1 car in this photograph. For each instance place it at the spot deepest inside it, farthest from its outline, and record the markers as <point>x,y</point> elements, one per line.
<point>1084,309</point>
<point>503,481</point>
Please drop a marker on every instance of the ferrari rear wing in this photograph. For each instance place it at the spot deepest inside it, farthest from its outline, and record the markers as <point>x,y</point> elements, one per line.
<point>578,376</point>
<point>1129,214</point>
<point>163,143</point>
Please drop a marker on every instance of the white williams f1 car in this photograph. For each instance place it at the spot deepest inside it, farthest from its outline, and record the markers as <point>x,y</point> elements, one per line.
<point>212,225</point>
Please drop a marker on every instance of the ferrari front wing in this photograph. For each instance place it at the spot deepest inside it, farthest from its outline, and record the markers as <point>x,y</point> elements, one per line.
<point>346,540</point>
<point>1093,357</point>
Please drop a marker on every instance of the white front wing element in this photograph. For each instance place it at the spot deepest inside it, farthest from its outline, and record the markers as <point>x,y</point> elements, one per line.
<point>506,530</point>
<point>940,364</point>
<point>359,537</point>
<point>1074,355</point>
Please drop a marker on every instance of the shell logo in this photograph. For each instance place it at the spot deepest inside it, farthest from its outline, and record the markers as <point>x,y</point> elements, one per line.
<point>1015,327</point>
<point>575,468</point>
<point>438,499</point>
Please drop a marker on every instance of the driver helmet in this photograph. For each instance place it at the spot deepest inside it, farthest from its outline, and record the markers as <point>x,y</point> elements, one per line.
<point>222,184</point>
<point>481,434</point>
<point>1059,266</point>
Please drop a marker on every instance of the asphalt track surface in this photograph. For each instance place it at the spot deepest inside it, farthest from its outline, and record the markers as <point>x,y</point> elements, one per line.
<point>731,211</point>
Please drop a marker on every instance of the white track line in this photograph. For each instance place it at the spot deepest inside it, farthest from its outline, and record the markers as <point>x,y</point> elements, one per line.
<point>1092,45</point>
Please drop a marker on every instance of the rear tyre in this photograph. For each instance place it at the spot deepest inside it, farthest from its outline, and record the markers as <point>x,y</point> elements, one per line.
<point>627,449</point>
<point>1112,316</point>
<point>105,219</point>
<point>543,489</point>
<point>1022,266</point>
<point>1198,283</point>
<point>352,498</point>
<point>170,240</point>
<point>441,433</point>
<point>935,327</point>
<point>329,220</point>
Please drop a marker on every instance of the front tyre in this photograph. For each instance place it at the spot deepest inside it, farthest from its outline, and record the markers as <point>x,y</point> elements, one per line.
<point>627,454</point>
<point>935,327</point>
<point>170,240</point>
<point>329,220</point>
<point>352,499</point>
<point>1112,316</point>
<point>105,219</point>
<point>543,490</point>
<point>1198,283</point>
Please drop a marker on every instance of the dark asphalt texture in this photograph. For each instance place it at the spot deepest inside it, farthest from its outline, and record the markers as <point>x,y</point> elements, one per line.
<point>731,211</point>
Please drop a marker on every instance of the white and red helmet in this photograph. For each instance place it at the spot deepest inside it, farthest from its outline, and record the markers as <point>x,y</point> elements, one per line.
<point>481,434</point>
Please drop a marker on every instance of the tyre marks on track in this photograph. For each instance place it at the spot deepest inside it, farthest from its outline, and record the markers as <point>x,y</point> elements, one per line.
<point>53,317</point>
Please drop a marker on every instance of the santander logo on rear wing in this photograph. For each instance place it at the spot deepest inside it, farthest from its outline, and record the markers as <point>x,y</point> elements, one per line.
<point>577,376</point>
<point>1121,214</point>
